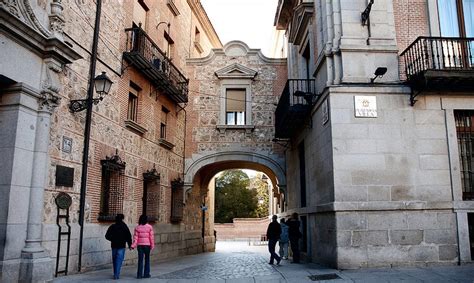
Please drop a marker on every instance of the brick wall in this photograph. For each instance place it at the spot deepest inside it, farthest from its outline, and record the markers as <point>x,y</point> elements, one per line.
<point>242,228</point>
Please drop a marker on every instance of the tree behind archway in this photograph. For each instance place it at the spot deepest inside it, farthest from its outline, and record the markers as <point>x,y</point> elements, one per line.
<point>233,197</point>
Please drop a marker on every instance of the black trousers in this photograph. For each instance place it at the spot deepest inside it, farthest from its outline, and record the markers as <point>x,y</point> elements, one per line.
<point>295,248</point>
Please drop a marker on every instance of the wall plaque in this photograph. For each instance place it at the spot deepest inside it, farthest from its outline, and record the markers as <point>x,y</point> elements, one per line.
<point>365,106</point>
<point>64,176</point>
<point>67,145</point>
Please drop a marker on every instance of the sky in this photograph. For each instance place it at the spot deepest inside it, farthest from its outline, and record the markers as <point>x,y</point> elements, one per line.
<point>250,21</point>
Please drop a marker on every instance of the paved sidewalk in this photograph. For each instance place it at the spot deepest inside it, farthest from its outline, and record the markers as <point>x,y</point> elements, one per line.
<point>236,262</point>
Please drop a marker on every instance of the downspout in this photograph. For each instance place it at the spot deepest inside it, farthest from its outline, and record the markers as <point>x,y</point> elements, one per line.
<point>337,41</point>
<point>328,48</point>
<point>453,198</point>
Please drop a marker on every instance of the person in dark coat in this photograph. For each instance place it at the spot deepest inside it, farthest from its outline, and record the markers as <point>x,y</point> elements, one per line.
<point>294,235</point>
<point>273,235</point>
<point>118,234</point>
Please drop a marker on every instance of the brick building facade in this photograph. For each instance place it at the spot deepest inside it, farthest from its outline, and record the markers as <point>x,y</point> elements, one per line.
<point>137,138</point>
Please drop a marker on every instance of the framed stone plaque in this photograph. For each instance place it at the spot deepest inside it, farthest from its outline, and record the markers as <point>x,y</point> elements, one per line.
<point>64,176</point>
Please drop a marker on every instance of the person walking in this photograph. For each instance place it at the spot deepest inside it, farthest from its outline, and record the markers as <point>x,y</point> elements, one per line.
<point>294,236</point>
<point>284,239</point>
<point>273,235</point>
<point>119,235</point>
<point>144,241</point>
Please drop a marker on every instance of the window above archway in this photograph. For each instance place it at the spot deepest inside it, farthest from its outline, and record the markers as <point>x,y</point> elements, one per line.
<point>235,106</point>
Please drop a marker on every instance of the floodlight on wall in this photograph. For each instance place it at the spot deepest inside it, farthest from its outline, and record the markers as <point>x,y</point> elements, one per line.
<point>379,72</point>
<point>102,85</point>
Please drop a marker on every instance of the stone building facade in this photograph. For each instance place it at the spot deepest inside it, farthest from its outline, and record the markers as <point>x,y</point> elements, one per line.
<point>232,97</point>
<point>378,131</point>
<point>137,136</point>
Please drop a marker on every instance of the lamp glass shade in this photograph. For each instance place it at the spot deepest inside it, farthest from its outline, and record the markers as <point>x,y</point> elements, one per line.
<point>102,84</point>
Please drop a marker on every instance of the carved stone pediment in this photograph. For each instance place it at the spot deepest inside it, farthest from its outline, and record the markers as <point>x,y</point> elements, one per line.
<point>22,21</point>
<point>236,71</point>
<point>301,19</point>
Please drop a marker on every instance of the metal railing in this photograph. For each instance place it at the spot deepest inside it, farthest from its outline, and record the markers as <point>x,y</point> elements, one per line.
<point>139,42</point>
<point>296,92</point>
<point>438,53</point>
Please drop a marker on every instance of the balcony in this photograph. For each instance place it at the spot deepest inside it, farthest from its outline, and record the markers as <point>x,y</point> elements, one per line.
<point>294,107</point>
<point>440,63</point>
<point>142,53</point>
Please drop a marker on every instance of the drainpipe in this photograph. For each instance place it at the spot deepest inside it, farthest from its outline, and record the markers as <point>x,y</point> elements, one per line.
<point>337,41</point>
<point>328,49</point>
<point>87,132</point>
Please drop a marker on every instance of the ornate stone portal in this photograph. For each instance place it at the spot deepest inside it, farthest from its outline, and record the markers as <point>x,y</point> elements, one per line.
<point>29,96</point>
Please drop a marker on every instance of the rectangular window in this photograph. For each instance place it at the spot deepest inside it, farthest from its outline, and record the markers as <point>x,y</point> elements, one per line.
<point>456,19</point>
<point>113,187</point>
<point>235,106</point>
<point>465,134</point>
<point>151,194</point>
<point>132,113</point>
<point>164,120</point>
<point>169,45</point>
<point>301,156</point>
<point>177,190</point>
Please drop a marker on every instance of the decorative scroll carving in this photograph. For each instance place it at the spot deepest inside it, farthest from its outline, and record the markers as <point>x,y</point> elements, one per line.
<point>30,16</point>
<point>10,6</point>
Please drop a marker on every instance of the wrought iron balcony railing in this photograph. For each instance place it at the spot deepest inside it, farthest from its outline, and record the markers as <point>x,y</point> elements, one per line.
<point>295,103</point>
<point>440,62</point>
<point>438,53</point>
<point>148,58</point>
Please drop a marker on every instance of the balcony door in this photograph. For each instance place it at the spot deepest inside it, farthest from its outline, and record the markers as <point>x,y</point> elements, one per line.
<point>456,19</point>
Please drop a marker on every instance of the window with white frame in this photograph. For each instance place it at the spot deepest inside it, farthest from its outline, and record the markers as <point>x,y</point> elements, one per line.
<point>235,106</point>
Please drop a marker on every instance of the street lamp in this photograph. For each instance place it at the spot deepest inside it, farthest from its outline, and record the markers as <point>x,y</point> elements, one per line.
<point>102,85</point>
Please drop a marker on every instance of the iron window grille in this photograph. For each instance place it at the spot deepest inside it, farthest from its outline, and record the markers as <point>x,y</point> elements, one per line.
<point>151,194</point>
<point>177,187</point>
<point>465,134</point>
<point>113,187</point>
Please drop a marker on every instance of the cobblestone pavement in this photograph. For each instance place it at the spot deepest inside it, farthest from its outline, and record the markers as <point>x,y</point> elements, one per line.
<point>239,265</point>
<point>237,262</point>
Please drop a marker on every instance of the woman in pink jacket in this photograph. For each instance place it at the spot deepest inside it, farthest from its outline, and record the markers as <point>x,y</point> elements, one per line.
<point>144,241</point>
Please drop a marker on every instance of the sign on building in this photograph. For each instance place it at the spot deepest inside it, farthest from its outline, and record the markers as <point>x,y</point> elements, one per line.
<point>365,106</point>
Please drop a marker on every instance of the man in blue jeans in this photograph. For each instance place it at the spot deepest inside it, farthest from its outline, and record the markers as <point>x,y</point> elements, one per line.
<point>273,235</point>
<point>118,234</point>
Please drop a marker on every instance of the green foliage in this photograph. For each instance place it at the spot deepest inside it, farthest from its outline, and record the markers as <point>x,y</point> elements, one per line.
<point>261,188</point>
<point>233,198</point>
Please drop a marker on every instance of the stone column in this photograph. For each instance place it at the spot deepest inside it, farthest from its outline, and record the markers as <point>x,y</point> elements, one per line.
<point>36,265</point>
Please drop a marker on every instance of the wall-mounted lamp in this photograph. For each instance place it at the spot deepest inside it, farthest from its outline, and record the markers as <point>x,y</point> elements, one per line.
<point>102,85</point>
<point>379,72</point>
<point>365,15</point>
<point>166,34</point>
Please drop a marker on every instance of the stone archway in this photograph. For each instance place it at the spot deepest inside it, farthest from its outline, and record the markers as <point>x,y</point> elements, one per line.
<point>199,182</point>
<point>216,162</point>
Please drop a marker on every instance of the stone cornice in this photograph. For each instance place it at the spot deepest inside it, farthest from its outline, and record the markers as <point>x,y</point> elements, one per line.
<point>203,19</point>
<point>301,19</point>
<point>227,50</point>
